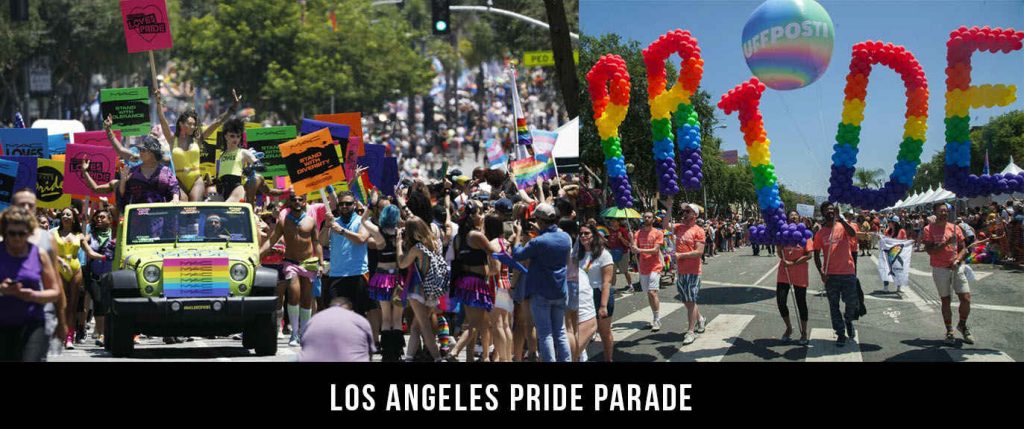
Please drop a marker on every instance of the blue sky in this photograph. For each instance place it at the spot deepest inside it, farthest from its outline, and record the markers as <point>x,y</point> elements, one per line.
<point>802,123</point>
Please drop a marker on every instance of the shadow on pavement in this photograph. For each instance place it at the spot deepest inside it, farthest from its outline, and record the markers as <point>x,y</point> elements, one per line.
<point>724,296</point>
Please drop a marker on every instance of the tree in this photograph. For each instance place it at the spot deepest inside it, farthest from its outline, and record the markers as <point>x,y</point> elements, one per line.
<point>868,178</point>
<point>286,65</point>
<point>1002,135</point>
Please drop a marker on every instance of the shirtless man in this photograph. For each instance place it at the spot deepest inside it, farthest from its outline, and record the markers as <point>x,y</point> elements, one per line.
<point>303,261</point>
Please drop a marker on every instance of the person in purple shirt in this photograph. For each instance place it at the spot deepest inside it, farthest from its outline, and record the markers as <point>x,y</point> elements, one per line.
<point>337,334</point>
<point>548,254</point>
<point>28,281</point>
<point>149,182</point>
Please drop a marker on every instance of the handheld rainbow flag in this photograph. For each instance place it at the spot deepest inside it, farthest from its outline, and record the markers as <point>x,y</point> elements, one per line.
<point>522,132</point>
<point>496,157</point>
<point>361,187</point>
<point>528,170</point>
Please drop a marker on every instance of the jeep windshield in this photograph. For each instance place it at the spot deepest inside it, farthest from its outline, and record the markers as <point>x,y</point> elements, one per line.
<point>189,224</point>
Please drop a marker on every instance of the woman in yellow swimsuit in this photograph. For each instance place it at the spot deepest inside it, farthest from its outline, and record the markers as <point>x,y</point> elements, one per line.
<point>69,239</point>
<point>185,147</point>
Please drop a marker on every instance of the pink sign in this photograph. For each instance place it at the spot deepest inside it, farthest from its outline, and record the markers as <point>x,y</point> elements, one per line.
<point>102,164</point>
<point>95,138</point>
<point>146,26</point>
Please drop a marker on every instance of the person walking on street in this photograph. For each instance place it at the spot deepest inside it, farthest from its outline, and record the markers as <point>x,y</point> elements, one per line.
<point>839,272</point>
<point>944,243</point>
<point>689,248</point>
<point>792,273</point>
<point>27,282</point>
<point>647,246</point>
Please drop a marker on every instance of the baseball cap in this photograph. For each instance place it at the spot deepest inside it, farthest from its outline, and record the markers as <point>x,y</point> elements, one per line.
<point>545,211</point>
<point>691,206</point>
<point>503,205</point>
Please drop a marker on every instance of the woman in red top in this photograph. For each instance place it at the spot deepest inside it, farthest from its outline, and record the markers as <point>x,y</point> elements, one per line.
<point>792,272</point>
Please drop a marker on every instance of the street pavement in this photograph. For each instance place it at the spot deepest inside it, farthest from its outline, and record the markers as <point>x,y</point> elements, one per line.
<point>738,300</point>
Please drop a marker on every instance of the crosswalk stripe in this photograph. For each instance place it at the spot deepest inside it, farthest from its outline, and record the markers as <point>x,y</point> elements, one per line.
<point>713,344</point>
<point>976,355</point>
<point>823,348</point>
<point>637,320</point>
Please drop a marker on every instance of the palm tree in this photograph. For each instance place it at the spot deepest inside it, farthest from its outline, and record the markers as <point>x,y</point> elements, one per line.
<point>868,178</point>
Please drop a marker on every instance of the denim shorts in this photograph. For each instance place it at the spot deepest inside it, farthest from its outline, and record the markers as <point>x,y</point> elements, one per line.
<point>572,296</point>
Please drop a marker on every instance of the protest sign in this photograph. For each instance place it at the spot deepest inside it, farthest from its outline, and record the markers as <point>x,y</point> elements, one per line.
<point>894,260</point>
<point>268,140</point>
<point>26,171</point>
<point>389,176</point>
<point>129,108</point>
<point>337,131</point>
<point>355,146</point>
<point>354,120</point>
<point>8,174</point>
<point>373,161</point>
<point>805,210</point>
<point>50,185</point>
<point>95,138</point>
<point>312,161</point>
<point>57,143</point>
<point>25,142</point>
<point>146,25</point>
<point>102,166</point>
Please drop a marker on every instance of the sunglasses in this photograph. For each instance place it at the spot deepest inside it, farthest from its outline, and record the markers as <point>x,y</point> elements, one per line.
<point>586,234</point>
<point>347,203</point>
<point>16,233</point>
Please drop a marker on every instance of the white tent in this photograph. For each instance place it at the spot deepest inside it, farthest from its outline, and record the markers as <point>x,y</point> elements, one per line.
<point>567,147</point>
<point>917,198</point>
<point>1011,168</point>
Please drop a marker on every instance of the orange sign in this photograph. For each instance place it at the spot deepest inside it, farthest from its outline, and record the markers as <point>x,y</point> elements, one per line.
<point>312,162</point>
<point>354,120</point>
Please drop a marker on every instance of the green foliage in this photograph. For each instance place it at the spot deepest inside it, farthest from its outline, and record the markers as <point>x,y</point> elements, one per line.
<point>866,179</point>
<point>729,187</point>
<point>285,65</point>
<point>1003,136</point>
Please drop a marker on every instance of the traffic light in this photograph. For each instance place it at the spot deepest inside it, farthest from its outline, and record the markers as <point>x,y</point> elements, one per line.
<point>441,14</point>
<point>19,10</point>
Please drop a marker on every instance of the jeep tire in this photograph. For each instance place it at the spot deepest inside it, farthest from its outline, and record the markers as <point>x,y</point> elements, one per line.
<point>120,341</point>
<point>260,333</point>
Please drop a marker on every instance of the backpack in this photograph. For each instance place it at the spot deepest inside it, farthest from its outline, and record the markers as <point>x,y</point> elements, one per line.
<point>436,278</point>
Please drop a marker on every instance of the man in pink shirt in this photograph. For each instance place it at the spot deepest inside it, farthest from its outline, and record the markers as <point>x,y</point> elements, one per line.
<point>690,240</point>
<point>840,273</point>
<point>647,247</point>
<point>944,242</point>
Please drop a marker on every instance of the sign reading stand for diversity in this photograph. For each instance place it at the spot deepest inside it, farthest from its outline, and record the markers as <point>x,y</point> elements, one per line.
<point>312,162</point>
<point>129,108</point>
<point>146,25</point>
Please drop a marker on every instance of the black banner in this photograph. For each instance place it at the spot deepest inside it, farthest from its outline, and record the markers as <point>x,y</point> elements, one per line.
<point>311,162</point>
<point>126,112</point>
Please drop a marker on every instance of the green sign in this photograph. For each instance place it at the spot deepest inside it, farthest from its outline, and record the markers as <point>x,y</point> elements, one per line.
<point>129,108</point>
<point>544,58</point>
<point>267,140</point>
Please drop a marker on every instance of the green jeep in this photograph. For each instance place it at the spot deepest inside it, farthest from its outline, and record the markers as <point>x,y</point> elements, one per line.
<point>189,269</point>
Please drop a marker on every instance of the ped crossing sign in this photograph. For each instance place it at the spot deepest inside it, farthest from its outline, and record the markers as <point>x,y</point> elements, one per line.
<point>544,58</point>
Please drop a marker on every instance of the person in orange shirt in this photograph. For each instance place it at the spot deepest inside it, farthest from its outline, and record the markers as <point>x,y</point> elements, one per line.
<point>690,239</point>
<point>944,243</point>
<point>839,273</point>
<point>647,247</point>
<point>792,272</point>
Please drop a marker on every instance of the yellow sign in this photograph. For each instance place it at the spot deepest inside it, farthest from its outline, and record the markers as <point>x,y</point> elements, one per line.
<point>544,58</point>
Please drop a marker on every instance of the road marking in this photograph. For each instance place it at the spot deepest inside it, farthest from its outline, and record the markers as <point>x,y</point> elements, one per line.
<point>993,307</point>
<point>712,345</point>
<point>823,348</point>
<point>714,283</point>
<point>976,355</point>
<point>911,296</point>
<point>774,267</point>
<point>223,359</point>
<point>637,320</point>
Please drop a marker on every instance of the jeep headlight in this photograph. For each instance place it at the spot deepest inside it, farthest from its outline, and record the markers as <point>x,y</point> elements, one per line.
<point>239,272</point>
<point>151,273</point>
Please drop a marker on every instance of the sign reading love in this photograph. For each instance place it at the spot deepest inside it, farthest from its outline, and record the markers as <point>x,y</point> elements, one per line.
<point>146,26</point>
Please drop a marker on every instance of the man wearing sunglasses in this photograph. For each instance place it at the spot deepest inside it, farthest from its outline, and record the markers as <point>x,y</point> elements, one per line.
<point>348,253</point>
<point>647,247</point>
<point>303,258</point>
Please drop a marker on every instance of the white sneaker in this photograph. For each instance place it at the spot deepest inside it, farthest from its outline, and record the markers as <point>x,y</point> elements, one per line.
<point>656,325</point>
<point>702,324</point>
<point>294,343</point>
<point>689,338</point>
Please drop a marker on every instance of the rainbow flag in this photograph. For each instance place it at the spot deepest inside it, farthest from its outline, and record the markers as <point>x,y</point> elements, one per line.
<point>361,187</point>
<point>528,170</point>
<point>196,277</point>
<point>522,132</point>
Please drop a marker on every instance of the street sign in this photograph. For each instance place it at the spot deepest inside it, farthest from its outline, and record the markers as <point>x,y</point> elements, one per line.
<point>40,76</point>
<point>544,58</point>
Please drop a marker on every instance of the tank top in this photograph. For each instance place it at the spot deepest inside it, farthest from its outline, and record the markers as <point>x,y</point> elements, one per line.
<point>388,254</point>
<point>469,256</point>
<point>229,163</point>
<point>27,270</point>
<point>185,159</point>
<point>501,280</point>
